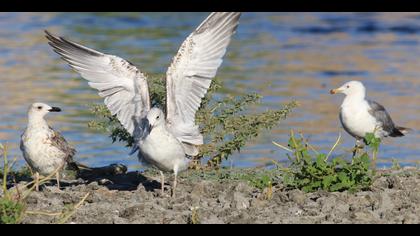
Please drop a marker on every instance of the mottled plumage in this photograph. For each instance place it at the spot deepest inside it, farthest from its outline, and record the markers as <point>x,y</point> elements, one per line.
<point>44,149</point>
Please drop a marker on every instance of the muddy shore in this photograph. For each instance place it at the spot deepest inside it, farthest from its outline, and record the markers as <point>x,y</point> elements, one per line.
<point>122,198</point>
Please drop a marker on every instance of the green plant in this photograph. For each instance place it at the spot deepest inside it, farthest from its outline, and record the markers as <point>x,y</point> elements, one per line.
<point>11,209</point>
<point>224,123</point>
<point>374,143</point>
<point>395,165</point>
<point>310,170</point>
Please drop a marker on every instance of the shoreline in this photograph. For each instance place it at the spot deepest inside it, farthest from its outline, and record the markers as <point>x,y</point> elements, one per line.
<point>217,197</point>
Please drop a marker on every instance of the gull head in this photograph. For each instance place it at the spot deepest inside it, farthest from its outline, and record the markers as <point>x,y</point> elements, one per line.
<point>352,88</point>
<point>155,118</point>
<point>41,109</point>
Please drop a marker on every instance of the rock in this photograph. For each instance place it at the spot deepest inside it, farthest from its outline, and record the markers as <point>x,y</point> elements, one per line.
<point>105,182</point>
<point>394,182</point>
<point>258,203</point>
<point>244,188</point>
<point>363,217</point>
<point>295,211</point>
<point>297,196</point>
<point>212,219</point>
<point>411,219</point>
<point>240,201</point>
<point>327,203</point>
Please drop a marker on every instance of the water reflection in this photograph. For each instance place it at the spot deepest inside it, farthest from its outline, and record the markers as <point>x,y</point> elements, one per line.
<point>283,56</point>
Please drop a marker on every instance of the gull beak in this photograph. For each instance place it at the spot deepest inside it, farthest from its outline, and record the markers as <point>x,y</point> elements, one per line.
<point>54,109</point>
<point>335,91</point>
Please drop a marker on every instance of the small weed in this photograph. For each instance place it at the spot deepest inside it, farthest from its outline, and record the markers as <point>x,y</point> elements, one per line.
<point>395,165</point>
<point>194,218</point>
<point>311,170</point>
<point>261,181</point>
<point>11,210</point>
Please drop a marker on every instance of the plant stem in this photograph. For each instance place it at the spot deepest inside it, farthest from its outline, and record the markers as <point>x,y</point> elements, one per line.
<point>335,145</point>
<point>281,146</point>
<point>292,136</point>
<point>67,217</point>
<point>5,170</point>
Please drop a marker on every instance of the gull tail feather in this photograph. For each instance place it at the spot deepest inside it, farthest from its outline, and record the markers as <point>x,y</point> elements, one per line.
<point>399,131</point>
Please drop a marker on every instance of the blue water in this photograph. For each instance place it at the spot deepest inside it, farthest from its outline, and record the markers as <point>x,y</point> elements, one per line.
<point>282,56</point>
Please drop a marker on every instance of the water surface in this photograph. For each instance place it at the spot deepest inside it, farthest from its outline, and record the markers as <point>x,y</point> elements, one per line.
<point>283,56</point>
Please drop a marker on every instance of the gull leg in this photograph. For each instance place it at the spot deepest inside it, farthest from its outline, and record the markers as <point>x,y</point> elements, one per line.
<point>354,150</point>
<point>174,187</point>
<point>175,180</point>
<point>357,147</point>
<point>57,176</point>
<point>37,181</point>
<point>162,182</point>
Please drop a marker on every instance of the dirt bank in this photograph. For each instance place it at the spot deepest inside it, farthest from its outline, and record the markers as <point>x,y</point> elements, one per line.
<point>135,198</point>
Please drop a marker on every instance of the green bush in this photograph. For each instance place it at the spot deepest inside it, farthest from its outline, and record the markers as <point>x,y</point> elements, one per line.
<point>311,171</point>
<point>224,123</point>
<point>11,211</point>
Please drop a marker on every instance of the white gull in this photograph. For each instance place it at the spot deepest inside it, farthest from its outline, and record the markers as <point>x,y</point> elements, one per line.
<point>162,141</point>
<point>360,116</point>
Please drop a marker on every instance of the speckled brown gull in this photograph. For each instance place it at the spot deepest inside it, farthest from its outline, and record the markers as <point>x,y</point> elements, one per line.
<point>162,141</point>
<point>44,149</point>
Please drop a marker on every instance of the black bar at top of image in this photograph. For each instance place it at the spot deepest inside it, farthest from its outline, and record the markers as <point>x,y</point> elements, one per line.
<point>209,5</point>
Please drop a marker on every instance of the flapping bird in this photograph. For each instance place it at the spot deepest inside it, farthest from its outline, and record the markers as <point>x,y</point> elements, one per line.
<point>360,116</point>
<point>45,150</point>
<point>163,139</point>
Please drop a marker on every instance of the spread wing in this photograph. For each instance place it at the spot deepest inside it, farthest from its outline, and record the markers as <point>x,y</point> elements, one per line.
<point>191,72</point>
<point>123,87</point>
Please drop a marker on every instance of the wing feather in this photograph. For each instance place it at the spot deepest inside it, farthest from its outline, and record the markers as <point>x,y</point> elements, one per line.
<point>192,70</point>
<point>123,87</point>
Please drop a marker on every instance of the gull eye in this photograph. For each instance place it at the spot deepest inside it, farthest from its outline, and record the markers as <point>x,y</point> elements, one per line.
<point>157,117</point>
<point>39,108</point>
<point>348,86</point>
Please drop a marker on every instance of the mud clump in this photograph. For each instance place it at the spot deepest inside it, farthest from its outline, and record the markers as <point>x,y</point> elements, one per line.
<point>129,198</point>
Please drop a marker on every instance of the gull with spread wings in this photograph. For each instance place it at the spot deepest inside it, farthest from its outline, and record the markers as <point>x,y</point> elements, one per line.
<point>163,140</point>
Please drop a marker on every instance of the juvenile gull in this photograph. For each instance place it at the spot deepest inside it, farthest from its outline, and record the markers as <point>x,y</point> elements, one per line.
<point>360,116</point>
<point>44,149</point>
<point>162,141</point>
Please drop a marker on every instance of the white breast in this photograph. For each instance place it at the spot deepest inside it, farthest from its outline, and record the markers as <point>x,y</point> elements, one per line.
<point>163,150</point>
<point>356,119</point>
<point>38,152</point>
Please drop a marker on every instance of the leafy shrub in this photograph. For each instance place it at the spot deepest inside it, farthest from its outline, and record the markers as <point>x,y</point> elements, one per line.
<point>224,123</point>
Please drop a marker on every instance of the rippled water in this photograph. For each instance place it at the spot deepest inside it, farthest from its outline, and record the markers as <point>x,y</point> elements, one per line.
<point>282,56</point>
